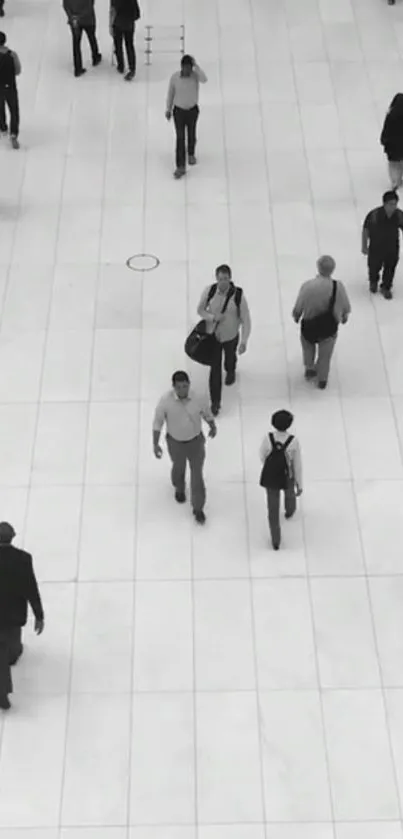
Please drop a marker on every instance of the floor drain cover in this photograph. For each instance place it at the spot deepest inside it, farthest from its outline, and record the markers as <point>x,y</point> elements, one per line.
<point>143,262</point>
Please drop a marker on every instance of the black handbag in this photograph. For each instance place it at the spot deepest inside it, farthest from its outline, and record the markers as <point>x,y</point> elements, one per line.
<point>321,326</point>
<point>200,345</point>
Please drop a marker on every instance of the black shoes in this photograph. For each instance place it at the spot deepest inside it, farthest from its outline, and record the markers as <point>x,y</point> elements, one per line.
<point>97,60</point>
<point>230,379</point>
<point>180,497</point>
<point>215,409</point>
<point>391,2</point>
<point>310,374</point>
<point>79,73</point>
<point>322,385</point>
<point>373,287</point>
<point>192,160</point>
<point>386,293</point>
<point>5,703</point>
<point>199,516</point>
<point>179,172</point>
<point>129,76</point>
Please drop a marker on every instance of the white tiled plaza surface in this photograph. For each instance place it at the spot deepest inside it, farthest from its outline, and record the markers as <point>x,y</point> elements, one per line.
<point>190,682</point>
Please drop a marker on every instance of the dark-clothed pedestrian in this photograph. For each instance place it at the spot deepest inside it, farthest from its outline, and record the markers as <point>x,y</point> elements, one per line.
<point>392,140</point>
<point>322,304</point>
<point>10,68</point>
<point>182,412</point>
<point>81,18</point>
<point>124,14</point>
<point>280,455</point>
<point>225,309</point>
<point>18,587</point>
<point>380,243</point>
<point>183,103</point>
<point>1,8</point>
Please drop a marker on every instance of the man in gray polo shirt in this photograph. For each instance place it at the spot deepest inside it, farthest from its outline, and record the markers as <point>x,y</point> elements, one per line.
<point>182,412</point>
<point>314,299</point>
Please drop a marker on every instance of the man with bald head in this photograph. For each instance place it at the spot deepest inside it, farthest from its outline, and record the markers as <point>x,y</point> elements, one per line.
<point>322,304</point>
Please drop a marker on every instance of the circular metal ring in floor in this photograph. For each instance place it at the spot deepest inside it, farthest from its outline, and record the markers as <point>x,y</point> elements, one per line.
<point>143,262</point>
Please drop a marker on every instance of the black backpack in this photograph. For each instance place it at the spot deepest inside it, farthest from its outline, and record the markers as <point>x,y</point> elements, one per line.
<point>7,69</point>
<point>237,297</point>
<point>276,471</point>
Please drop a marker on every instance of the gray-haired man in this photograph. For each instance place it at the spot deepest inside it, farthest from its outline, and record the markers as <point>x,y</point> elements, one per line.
<point>322,304</point>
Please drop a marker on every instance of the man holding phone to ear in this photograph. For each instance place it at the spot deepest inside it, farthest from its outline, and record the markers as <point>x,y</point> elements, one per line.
<point>183,104</point>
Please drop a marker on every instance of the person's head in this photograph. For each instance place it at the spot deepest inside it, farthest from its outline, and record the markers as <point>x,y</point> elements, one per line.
<point>181,384</point>
<point>396,105</point>
<point>390,201</point>
<point>187,64</point>
<point>282,420</point>
<point>7,533</point>
<point>3,39</point>
<point>325,266</point>
<point>223,276</point>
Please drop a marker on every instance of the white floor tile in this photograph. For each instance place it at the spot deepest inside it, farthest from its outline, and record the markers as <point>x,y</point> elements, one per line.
<point>108,528</point>
<point>385,598</point>
<point>163,637</point>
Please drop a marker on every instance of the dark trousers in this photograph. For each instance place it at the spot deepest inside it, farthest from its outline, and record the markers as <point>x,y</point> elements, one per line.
<point>126,36</point>
<point>273,509</point>
<point>9,97</point>
<point>77,34</point>
<point>385,262</point>
<point>185,127</point>
<point>194,453</point>
<point>228,349</point>
<point>10,650</point>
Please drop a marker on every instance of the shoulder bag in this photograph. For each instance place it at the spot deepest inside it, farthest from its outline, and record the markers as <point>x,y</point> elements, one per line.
<point>321,326</point>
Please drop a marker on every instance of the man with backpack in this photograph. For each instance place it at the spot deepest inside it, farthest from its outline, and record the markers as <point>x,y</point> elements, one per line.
<point>10,67</point>
<point>322,304</point>
<point>224,308</point>
<point>282,471</point>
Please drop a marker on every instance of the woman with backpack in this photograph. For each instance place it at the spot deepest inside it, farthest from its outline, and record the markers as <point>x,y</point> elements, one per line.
<point>392,140</point>
<point>282,471</point>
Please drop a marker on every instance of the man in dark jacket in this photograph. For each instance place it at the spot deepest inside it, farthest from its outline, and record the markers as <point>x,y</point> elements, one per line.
<point>10,67</point>
<point>1,8</point>
<point>18,587</point>
<point>380,243</point>
<point>81,18</point>
<point>124,14</point>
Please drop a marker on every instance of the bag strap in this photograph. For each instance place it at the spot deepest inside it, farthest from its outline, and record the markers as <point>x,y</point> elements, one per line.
<point>333,297</point>
<point>210,296</point>
<point>280,446</point>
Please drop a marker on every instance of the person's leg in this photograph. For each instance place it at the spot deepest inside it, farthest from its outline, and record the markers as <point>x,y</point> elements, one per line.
<point>388,273</point>
<point>290,501</point>
<point>13,106</point>
<point>215,379</point>
<point>92,40</point>
<point>118,47</point>
<point>3,118</point>
<point>193,116</point>
<point>375,261</point>
<point>77,34</point>
<point>273,509</point>
<point>180,128</point>
<point>308,356</point>
<point>130,52</point>
<point>1,8</point>
<point>230,359</point>
<point>6,684</point>
<point>325,352</point>
<point>177,453</point>
<point>15,645</point>
<point>196,453</point>
<point>395,173</point>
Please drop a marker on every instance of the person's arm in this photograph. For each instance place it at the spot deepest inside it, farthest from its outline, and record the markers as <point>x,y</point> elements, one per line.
<point>299,305</point>
<point>67,9</point>
<point>265,448</point>
<point>170,97</point>
<point>17,63</point>
<point>201,309</point>
<point>33,596</point>
<point>366,234</point>
<point>246,324</point>
<point>158,423</point>
<point>199,73</point>
<point>297,464</point>
<point>345,305</point>
<point>209,419</point>
<point>385,131</point>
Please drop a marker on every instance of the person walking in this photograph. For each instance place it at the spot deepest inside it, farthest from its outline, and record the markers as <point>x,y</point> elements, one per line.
<point>322,304</point>
<point>380,243</point>
<point>1,8</point>
<point>10,68</point>
<point>81,18</point>
<point>18,587</point>
<point>280,455</point>
<point>392,140</point>
<point>124,14</point>
<point>225,309</point>
<point>182,413</point>
<point>183,103</point>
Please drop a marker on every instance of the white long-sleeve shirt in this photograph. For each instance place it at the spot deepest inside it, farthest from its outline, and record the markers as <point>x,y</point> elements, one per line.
<point>183,91</point>
<point>292,453</point>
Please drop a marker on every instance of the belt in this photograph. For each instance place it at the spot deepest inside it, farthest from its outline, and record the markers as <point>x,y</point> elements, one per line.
<point>184,441</point>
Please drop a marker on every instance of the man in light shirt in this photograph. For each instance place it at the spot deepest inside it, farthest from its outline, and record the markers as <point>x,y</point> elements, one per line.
<point>183,103</point>
<point>182,412</point>
<point>318,297</point>
<point>228,326</point>
<point>279,437</point>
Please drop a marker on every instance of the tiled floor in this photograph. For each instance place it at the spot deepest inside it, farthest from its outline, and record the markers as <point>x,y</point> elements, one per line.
<point>191,679</point>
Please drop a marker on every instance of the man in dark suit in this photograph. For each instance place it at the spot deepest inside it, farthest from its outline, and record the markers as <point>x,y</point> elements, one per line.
<point>123,17</point>
<point>18,587</point>
<point>81,18</point>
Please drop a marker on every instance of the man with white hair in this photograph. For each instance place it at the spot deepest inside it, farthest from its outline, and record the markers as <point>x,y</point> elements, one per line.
<point>322,304</point>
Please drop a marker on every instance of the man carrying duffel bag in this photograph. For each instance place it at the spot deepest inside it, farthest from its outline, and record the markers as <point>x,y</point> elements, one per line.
<point>225,311</point>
